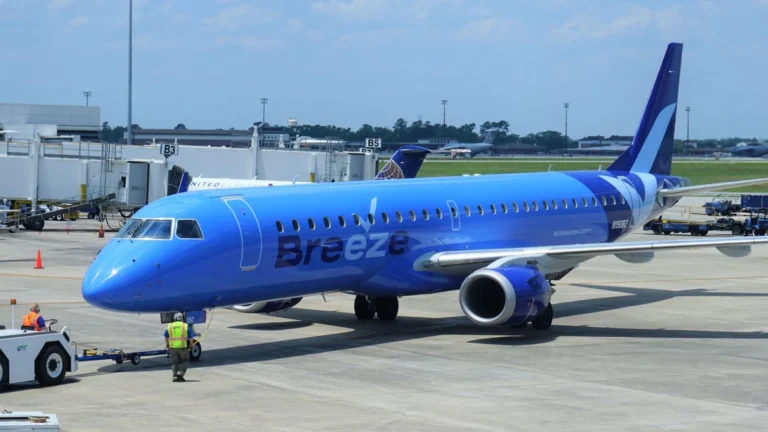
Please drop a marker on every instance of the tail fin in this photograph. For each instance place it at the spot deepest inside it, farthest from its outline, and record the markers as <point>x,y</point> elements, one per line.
<point>490,135</point>
<point>651,149</point>
<point>405,163</point>
<point>178,180</point>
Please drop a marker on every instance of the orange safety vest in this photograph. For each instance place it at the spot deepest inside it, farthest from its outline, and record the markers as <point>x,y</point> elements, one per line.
<point>30,320</point>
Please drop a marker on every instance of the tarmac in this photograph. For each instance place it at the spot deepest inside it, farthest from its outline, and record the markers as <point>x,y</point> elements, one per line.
<point>675,344</point>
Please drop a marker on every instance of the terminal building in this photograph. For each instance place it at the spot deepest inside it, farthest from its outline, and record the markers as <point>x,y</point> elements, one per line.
<point>52,122</point>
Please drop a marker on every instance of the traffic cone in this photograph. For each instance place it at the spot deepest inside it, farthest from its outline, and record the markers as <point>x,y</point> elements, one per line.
<point>39,261</point>
<point>101,231</point>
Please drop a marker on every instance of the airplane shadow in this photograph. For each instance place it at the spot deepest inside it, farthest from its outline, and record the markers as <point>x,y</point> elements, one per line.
<point>372,333</point>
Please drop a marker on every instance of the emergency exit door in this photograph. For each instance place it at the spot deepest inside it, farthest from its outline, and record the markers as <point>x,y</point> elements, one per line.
<point>250,232</point>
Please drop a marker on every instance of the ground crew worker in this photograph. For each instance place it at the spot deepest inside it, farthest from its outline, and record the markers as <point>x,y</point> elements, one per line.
<point>178,339</point>
<point>33,320</point>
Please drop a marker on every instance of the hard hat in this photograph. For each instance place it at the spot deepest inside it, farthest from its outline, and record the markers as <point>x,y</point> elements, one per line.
<point>178,316</point>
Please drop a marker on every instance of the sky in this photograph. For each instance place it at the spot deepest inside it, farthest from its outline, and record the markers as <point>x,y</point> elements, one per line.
<point>207,63</point>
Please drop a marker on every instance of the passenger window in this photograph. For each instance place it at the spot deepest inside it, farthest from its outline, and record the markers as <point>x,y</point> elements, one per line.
<point>554,204</point>
<point>594,202</point>
<point>295,225</point>
<point>585,202</point>
<point>613,200</point>
<point>384,217</point>
<point>466,210</point>
<point>371,220</point>
<point>425,213</point>
<point>153,229</point>
<point>278,224</point>
<point>439,213</point>
<point>493,209</point>
<point>544,205</point>
<point>602,199</point>
<point>565,204</point>
<point>356,219</point>
<point>342,222</point>
<point>413,215</point>
<point>480,209</point>
<point>454,213</point>
<point>525,206</point>
<point>517,209</point>
<point>188,229</point>
<point>535,206</point>
<point>399,216</point>
<point>311,223</point>
<point>503,207</point>
<point>326,222</point>
<point>575,203</point>
<point>621,197</point>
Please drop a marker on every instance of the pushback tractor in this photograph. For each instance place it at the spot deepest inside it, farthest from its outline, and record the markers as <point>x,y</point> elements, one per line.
<point>42,356</point>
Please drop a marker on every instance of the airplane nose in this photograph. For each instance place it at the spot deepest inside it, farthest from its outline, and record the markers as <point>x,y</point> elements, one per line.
<point>101,288</point>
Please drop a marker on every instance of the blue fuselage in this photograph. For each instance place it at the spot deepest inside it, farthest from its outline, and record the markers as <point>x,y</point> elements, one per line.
<point>362,237</point>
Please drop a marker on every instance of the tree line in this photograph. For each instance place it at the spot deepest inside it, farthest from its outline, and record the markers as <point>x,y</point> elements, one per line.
<point>402,132</point>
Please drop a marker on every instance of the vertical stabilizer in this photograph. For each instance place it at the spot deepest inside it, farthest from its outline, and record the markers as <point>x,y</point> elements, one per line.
<point>405,163</point>
<point>651,149</point>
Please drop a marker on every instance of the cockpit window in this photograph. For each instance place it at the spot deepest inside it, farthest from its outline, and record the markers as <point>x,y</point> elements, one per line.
<point>146,229</point>
<point>188,229</point>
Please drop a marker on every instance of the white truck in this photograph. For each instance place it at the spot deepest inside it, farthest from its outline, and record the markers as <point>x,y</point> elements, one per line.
<point>42,356</point>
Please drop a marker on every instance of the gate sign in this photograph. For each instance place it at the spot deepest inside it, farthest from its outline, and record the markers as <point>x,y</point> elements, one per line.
<point>366,150</point>
<point>373,142</point>
<point>169,149</point>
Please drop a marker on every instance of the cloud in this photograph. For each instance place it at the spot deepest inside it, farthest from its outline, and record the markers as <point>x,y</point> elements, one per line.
<point>488,29</point>
<point>78,21</point>
<point>235,17</point>
<point>584,27</point>
<point>352,9</point>
<point>366,9</point>
<point>57,5</point>
<point>249,43</point>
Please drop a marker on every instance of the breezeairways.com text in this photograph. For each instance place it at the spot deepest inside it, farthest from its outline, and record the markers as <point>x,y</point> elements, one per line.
<point>560,233</point>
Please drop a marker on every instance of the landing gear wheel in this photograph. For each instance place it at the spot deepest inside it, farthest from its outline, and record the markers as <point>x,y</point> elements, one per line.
<point>196,351</point>
<point>51,366</point>
<point>135,359</point>
<point>363,309</point>
<point>387,308</point>
<point>545,320</point>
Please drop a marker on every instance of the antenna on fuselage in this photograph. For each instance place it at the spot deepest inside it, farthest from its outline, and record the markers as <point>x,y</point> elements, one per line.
<point>294,180</point>
<point>550,168</point>
<point>600,168</point>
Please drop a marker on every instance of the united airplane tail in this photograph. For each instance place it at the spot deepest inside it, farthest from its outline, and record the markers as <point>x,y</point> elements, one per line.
<point>651,149</point>
<point>405,163</point>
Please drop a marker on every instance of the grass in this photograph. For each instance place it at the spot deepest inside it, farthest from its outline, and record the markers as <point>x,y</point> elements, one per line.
<point>699,172</point>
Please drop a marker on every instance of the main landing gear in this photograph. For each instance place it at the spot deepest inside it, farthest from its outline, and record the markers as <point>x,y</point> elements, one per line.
<point>385,307</point>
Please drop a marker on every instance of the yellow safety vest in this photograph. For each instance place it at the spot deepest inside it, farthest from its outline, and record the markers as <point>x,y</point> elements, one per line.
<point>177,334</point>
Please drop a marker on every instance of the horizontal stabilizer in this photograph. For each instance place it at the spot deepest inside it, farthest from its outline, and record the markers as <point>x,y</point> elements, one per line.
<point>687,190</point>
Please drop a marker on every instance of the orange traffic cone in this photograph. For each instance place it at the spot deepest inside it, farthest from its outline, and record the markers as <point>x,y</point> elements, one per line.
<point>39,261</point>
<point>101,231</point>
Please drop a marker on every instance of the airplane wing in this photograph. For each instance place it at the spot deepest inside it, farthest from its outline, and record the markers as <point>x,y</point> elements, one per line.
<point>686,190</point>
<point>452,262</point>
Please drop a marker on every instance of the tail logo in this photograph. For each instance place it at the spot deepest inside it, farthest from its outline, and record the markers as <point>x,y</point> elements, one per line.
<point>652,144</point>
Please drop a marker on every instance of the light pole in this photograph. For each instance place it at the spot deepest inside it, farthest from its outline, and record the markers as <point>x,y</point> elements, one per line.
<point>444,102</point>
<point>130,68</point>
<point>687,127</point>
<point>87,95</point>
<point>263,110</point>
<point>566,106</point>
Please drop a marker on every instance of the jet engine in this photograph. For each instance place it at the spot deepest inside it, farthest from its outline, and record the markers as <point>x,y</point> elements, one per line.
<point>505,296</point>
<point>267,307</point>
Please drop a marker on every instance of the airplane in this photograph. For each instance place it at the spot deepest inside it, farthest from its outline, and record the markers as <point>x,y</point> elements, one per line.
<point>750,150</point>
<point>470,149</point>
<point>404,163</point>
<point>499,240</point>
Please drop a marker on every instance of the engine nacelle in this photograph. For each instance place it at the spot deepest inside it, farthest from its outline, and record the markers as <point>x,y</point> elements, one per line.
<point>267,307</point>
<point>505,295</point>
